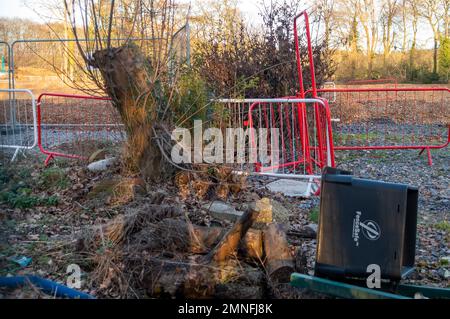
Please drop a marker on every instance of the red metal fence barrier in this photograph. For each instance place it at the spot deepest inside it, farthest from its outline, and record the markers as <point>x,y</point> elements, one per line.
<point>392,81</point>
<point>74,126</point>
<point>389,119</point>
<point>304,148</point>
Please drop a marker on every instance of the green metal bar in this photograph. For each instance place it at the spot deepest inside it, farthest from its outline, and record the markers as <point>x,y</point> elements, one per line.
<point>429,292</point>
<point>339,289</point>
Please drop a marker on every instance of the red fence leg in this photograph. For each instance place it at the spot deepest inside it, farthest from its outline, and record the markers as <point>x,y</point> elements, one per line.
<point>430,160</point>
<point>48,159</point>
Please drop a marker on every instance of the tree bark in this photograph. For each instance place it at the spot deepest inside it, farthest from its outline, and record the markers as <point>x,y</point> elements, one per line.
<point>127,73</point>
<point>279,261</point>
<point>173,279</point>
<point>177,235</point>
<point>252,245</point>
<point>435,56</point>
<point>230,242</point>
<point>202,279</point>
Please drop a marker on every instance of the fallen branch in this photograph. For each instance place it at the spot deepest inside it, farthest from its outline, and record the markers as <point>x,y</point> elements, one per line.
<point>231,240</point>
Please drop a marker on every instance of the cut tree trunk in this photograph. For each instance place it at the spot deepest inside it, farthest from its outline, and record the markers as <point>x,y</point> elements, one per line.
<point>180,236</point>
<point>279,262</point>
<point>205,277</point>
<point>126,73</point>
<point>174,279</point>
<point>228,245</point>
<point>251,246</point>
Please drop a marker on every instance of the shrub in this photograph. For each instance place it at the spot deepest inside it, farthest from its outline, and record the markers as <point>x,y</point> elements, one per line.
<point>23,198</point>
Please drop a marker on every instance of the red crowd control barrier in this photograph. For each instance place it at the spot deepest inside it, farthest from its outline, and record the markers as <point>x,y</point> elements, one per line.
<point>378,118</point>
<point>321,115</point>
<point>390,119</point>
<point>73,126</point>
<point>302,91</point>
<point>393,81</point>
<point>301,152</point>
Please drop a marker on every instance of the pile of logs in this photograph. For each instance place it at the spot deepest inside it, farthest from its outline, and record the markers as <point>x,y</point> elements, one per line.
<point>216,263</point>
<point>236,263</point>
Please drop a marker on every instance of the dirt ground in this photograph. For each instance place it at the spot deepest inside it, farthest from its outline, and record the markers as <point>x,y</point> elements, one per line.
<point>44,210</point>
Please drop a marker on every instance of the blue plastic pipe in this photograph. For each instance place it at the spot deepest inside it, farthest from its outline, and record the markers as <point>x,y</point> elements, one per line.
<point>47,286</point>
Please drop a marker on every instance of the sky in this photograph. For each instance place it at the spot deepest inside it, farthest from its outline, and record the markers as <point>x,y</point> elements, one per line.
<point>17,8</point>
<point>21,9</point>
<point>250,8</point>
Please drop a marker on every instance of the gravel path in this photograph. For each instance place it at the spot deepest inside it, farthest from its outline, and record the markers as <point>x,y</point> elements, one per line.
<point>433,249</point>
<point>432,252</point>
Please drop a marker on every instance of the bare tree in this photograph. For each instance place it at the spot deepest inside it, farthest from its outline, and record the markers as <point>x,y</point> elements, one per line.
<point>389,11</point>
<point>431,11</point>
<point>326,10</point>
<point>68,52</point>
<point>347,27</point>
<point>134,73</point>
<point>414,13</point>
<point>446,17</point>
<point>367,16</point>
<point>405,16</point>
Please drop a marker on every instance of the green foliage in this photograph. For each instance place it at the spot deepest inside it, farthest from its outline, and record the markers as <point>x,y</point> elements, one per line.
<point>244,85</point>
<point>219,114</point>
<point>191,99</point>
<point>16,187</point>
<point>444,225</point>
<point>5,175</point>
<point>314,215</point>
<point>54,177</point>
<point>444,57</point>
<point>50,201</point>
<point>23,198</point>
<point>427,77</point>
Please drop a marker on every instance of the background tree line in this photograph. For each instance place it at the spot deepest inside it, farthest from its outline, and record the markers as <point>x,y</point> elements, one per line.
<point>353,39</point>
<point>388,38</point>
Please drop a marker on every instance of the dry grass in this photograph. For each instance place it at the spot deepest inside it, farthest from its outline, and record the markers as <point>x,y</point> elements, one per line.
<point>208,180</point>
<point>111,248</point>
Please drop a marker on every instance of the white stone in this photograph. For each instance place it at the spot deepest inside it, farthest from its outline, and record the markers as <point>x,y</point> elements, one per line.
<point>312,227</point>
<point>102,165</point>
<point>221,210</point>
<point>290,188</point>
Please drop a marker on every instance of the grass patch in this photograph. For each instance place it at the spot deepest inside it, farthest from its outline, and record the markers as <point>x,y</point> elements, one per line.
<point>23,198</point>
<point>5,175</point>
<point>25,173</point>
<point>359,136</point>
<point>444,225</point>
<point>314,215</point>
<point>55,178</point>
<point>370,136</point>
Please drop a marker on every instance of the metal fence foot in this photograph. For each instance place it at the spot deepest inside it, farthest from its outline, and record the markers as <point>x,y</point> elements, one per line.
<point>339,289</point>
<point>48,159</point>
<point>430,159</point>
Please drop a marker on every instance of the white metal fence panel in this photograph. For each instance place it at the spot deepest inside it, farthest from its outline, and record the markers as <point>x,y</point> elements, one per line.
<point>18,122</point>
